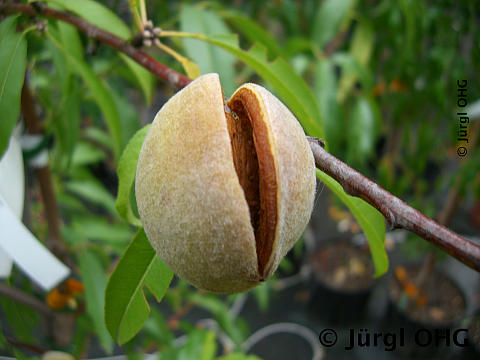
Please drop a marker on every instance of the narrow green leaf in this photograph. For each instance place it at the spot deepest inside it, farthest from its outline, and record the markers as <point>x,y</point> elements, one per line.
<point>13,58</point>
<point>100,91</point>
<point>70,39</point>
<point>360,49</point>
<point>85,154</point>
<point>126,308</point>
<point>370,220</point>
<point>328,19</point>
<point>222,314</point>
<point>144,77</point>
<point>291,88</point>
<point>326,92</point>
<point>156,326</point>
<point>127,166</point>
<point>362,131</point>
<point>96,13</point>
<point>362,43</point>
<point>102,96</point>
<point>95,228</point>
<point>158,279</point>
<point>67,118</point>
<point>200,345</point>
<point>351,71</point>
<point>23,320</point>
<point>94,192</point>
<point>238,356</point>
<point>208,58</point>
<point>95,280</point>
<point>99,136</point>
<point>253,32</point>
<point>104,18</point>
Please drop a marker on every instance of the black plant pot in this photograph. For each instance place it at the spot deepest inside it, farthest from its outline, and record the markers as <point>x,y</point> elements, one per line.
<point>427,339</point>
<point>472,351</point>
<point>340,303</point>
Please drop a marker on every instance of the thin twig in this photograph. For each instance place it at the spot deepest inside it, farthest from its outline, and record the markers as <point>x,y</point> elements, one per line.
<point>34,126</point>
<point>163,72</point>
<point>397,213</point>
<point>24,298</point>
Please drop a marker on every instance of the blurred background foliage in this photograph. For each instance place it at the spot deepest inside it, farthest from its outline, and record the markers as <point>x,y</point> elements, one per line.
<point>383,75</point>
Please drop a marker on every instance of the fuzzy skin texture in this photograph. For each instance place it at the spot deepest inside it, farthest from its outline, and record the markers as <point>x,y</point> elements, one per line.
<point>189,197</point>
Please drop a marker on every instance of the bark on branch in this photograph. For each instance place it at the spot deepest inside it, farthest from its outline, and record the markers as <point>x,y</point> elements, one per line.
<point>397,213</point>
<point>163,72</point>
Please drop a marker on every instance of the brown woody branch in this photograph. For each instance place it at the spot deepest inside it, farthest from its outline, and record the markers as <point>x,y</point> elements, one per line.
<point>397,213</point>
<point>34,126</point>
<point>163,72</point>
<point>26,299</point>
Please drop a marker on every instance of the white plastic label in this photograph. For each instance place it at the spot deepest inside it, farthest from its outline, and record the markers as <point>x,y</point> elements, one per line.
<point>27,252</point>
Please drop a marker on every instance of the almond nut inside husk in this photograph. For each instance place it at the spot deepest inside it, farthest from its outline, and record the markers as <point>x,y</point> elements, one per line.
<point>255,166</point>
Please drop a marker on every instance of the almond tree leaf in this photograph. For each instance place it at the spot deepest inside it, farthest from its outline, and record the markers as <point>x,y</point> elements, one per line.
<point>351,71</point>
<point>126,308</point>
<point>290,86</point>
<point>253,31</point>
<point>94,278</point>
<point>328,19</point>
<point>144,77</point>
<point>370,220</point>
<point>66,121</point>
<point>361,50</point>
<point>362,131</point>
<point>24,321</point>
<point>326,92</point>
<point>94,192</point>
<point>192,69</point>
<point>238,356</point>
<point>100,92</point>
<point>208,58</point>
<point>13,59</point>
<point>200,345</point>
<point>104,18</point>
<point>222,315</point>
<point>96,13</point>
<point>158,279</point>
<point>126,169</point>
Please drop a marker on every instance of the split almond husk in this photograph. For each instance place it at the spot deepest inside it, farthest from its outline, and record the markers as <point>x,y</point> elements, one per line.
<point>224,190</point>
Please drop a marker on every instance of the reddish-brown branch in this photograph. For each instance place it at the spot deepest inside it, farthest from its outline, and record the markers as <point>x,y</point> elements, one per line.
<point>163,72</point>
<point>26,299</point>
<point>44,178</point>
<point>397,213</point>
<point>21,344</point>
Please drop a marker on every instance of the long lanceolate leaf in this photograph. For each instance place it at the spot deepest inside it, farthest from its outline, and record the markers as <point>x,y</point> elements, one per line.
<point>369,218</point>
<point>290,86</point>
<point>208,57</point>
<point>101,16</point>
<point>126,308</point>
<point>13,57</point>
<point>94,278</point>
<point>126,176</point>
<point>100,91</point>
